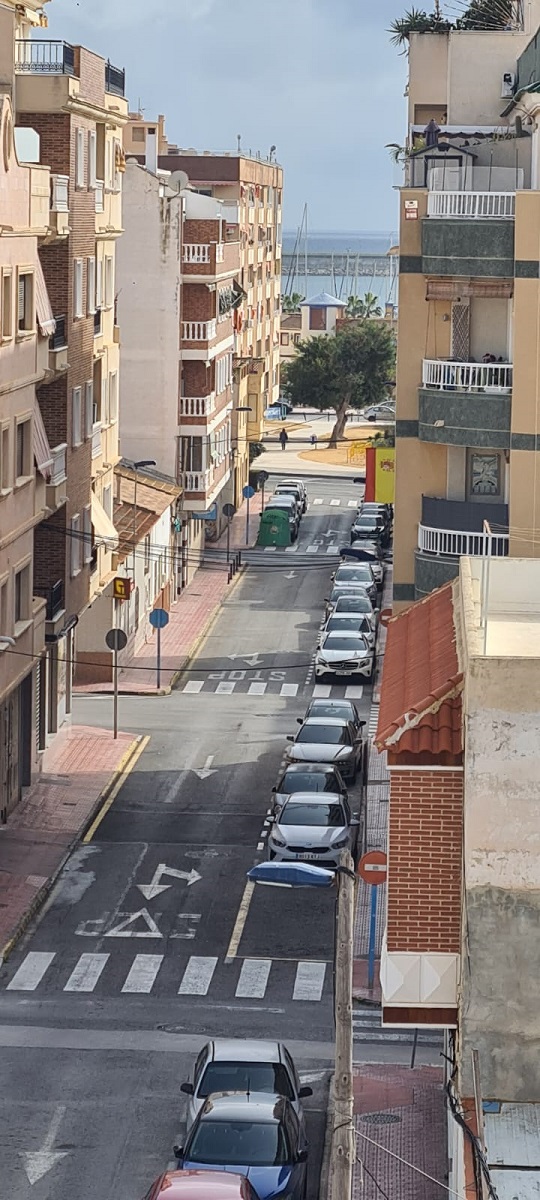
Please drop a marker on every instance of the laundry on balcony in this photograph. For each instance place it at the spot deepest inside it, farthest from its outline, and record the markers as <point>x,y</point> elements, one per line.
<point>44,312</point>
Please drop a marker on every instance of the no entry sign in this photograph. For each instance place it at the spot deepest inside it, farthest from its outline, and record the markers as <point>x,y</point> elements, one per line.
<point>373,867</point>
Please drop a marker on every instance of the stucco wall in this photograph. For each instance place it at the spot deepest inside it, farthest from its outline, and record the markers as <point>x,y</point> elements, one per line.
<point>476,64</point>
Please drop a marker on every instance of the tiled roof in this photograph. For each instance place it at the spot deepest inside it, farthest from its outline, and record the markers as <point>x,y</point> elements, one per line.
<point>420,710</point>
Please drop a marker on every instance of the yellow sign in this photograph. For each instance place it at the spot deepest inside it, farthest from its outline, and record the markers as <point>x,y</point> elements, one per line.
<point>356,452</point>
<point>122,588</point>
<point>385,466</point>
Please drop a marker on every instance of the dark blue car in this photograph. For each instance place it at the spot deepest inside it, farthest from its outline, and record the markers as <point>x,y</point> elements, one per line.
<point>252,1134</point>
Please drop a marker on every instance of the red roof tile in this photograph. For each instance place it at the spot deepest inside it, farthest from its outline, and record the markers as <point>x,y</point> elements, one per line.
<point>420,711</point>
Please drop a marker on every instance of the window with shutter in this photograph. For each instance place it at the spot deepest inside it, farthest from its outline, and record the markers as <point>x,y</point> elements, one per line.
<point>90,285</point>
<point>76,416</point>
<point>104,401</point>
<point>99,283</point>
<point>76,545</point>
<point>87,535</point>
<point>109,281</point>
<point>25,302</point>
<point>77,288</point>
<point>92,158</point>
<point>89,407</point>
<point>79,159</point>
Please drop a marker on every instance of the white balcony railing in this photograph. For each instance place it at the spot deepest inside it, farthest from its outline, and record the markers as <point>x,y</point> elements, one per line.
<point>197,481</point>
<point>198,331</point>
<point>195,252</point>
<point>467,377</point>
<point>197,406</point>
<point>452,543</point>
<point>472,205</point>
<point>99,194</point>
<point>220,252</point>
<point>60,193</point>
<point>96,439</point>
<point>58,469</point>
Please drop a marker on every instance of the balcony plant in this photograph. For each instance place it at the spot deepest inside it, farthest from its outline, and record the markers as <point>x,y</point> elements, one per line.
<point>479,15</point>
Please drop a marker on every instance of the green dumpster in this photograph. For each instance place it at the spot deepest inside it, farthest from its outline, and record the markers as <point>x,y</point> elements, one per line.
<point>274,529</point>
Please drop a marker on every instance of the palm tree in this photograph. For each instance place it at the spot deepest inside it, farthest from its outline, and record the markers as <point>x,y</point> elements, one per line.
<point>366,306</point>
<point>291,304</point>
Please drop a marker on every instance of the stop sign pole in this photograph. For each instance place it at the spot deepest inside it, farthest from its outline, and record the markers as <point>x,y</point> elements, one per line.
<point>373,869</point>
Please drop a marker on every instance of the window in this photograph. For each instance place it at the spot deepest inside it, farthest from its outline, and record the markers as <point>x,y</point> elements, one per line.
<point>113,396</point>
<point>107,500</point>
<point>104,401</point>
<point>7,304</point>
<point>77,288</point>
<point>22,595</point>
<point>90,285</point>
<point>23,461</point>
<point>192,453</point>
<point>87,535</point>
<point>99,283</point>
<point>296,338</point>
<point>25,302</point>
<point>92,158</point>
<point>79,159</point>
<point>76,545</point>
<point>285,339</point>
<point>89,407</point>
<point>317,318</point>
<point>76,416</point>
<point>5,473</point>
<point>5,623</point>
<point>109,281</point>
<point>138,133</point>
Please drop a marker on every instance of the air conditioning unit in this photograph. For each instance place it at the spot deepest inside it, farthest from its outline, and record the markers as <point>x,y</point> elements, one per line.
<point>508,83</point>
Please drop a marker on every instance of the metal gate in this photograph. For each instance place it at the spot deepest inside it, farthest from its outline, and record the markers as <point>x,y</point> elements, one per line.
<point>460,332</point>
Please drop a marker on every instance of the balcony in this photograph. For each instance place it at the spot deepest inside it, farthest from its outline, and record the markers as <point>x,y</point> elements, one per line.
<point>451,528</point>
<point>99,195</point>
<point>56,485</point>
<point>59,205</point>
<point>210,259</point>
<point>451,543</point>
<point>199,331</point>
<point>58,347</point>
<point>467,377</point>
<point>98,325</point>
<point>44,57</point>
<point>196,406</point>
<point>468,247</point>
<point>195,252</point>
<point>96,439</point>
<point>115,80</point>
<point>472,205</point>
<point>197,481</point>
<point>465,404</point>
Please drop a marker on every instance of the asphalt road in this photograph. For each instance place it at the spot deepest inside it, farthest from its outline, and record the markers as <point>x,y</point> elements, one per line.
<point>150,942</point>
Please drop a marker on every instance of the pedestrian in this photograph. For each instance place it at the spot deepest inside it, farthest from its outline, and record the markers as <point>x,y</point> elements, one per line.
<point>283,437</point>
<point>314,439</point>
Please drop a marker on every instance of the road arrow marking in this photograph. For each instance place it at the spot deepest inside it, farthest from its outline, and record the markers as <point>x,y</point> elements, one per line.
<point>253,660</point>
<point>205,772</point>
<point>155,887</point>
<point>37,1163</point>
<point>124,930</point>
<point>290,575</point>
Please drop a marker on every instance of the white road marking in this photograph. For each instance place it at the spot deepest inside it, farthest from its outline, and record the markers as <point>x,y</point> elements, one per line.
<point>289,689</point>
<point>30,972</point>
<point>335,503</point>
<point>86,973</point>
<point>193,685</point>
<point>321,691</point>
<point>317,501</point>
<point>333,549</point>
<point>142,973</point>
<point>125,925</point>
<point>354,692</point>
<point>241,918</point>
<point>260,846</point>
<point>38,1163</point>
<point>197,976</point>
<point>291,549</point>
<point>269,549</point>
<point>312,550</point>
<point>225,688</point>
<point>309,981</point>
<point>257,689</point>
<point>352,503</point>
<point>253,978</point>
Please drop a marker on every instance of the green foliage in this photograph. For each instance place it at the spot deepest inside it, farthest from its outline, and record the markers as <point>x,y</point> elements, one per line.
<point>350,369</point>
<point>416,20</point>
<point>486,14</point>
<point>363,306</point>
<point>384,439</point>
<point>291,304</point>
<point>255,449</point>
<point>481,14</point>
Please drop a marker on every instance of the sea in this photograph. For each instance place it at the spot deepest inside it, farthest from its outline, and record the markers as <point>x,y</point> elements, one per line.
<point>341,243</point>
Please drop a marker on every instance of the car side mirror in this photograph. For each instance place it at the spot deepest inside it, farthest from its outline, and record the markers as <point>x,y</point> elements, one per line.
<point>187,1088</point>
<point>178,1151</point>
<point>274,789</point>
<point>361,724</point>
<point>301,1156</point>
<point>305,1092</point>
<point>290,738</point>
<point>354,821</point>
<point>326,600</point>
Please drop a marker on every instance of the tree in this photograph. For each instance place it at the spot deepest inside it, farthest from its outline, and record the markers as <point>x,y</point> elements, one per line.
<point>291,304</point>
<point>417,21</point>
<point>347,371</point>
<point>487,14</point>
<point>363,306</point>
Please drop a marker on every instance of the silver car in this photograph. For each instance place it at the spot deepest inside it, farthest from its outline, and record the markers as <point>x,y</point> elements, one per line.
<point>328,740</point>
<point>309,777</point>
<point>349,623</point>
<point>249,1065</point>
<point>313,827</point>
<point>347,592</point>
<point>356,573</point>
<point>344,654</point>
<point>286,488</point>
<point>374,562</point>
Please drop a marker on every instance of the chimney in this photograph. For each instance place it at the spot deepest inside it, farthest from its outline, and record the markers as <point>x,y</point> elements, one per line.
<point>151,155</point>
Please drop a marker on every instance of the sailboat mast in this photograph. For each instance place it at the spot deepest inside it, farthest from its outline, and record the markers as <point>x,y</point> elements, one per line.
<point>306,250</point>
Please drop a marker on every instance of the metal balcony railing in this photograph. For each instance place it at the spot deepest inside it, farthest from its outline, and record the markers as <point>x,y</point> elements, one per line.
<point>198,331</point>
<point>115,80</point>
<point>452,543</point>
<point>466,376</point>
<point>60,193</point>
<point>472,205</point>
<point>97,322</point>
<point>44,57</point>
<point>54,596</point>
<point>58,340</point>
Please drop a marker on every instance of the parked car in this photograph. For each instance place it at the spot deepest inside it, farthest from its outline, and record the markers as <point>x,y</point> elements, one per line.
<point>288,505</point>
<point>287,487</point>
<point>200,1185</point>
<point>313,827</point>
<point>355,602</point>
<point>349,623</point>
<point>253,1134</point>
<point>349,591</point>
<point>335,708</point>
<point>375,506</point>
<point>356,573</point>
<point>286,498</point>
<point>369,529</point>
<point>307,777</point>
<point>369,552</point>
<point>385,411</point>
<point>299,483</point>
<point>250,1065</point>
<point>344,654</point>
<point>328,740</point>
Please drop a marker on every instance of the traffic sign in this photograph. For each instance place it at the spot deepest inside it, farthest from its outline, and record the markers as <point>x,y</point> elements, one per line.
<point>262,477</point>
<point>116,639</point>
<point>229,510</point>
<point>158,618</point>
<point>248,491</point>
<point>373,867</point>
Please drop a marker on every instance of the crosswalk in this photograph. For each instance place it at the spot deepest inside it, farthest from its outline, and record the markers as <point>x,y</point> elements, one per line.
<point>246,685</point>
<point>201,975</point>
<point>368,1028</point>
<point>333,502</point>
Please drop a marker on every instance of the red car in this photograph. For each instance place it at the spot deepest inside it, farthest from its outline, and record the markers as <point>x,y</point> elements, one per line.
<point>201,1185</point>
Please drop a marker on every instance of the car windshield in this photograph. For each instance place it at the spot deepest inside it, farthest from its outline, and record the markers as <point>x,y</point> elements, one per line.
<point>238,1144</point>
<point>329,735</point>
<point>329,816</point>
<point>366,523</point>
<point>353,604</point>
<point>299,781</point>
<point>246,1077</point>
<point>344,624</point>
<point>335,642</point>
<point>353,574</point>
<point>333,708</point>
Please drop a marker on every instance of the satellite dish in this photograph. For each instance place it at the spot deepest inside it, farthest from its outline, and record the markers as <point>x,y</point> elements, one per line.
<point>179,180</point>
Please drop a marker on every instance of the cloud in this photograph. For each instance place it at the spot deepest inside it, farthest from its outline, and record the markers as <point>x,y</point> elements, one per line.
<point>125,14</point>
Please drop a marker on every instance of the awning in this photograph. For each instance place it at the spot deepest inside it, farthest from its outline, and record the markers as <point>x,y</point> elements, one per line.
<point>42,450</point>
<point>455,289</point>
<point>46,321</point>
<point>103,526</point>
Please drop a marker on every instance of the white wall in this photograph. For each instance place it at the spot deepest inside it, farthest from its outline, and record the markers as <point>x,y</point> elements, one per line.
<point>476,64</point>
<point>489,327</point>
<point>148,285</point>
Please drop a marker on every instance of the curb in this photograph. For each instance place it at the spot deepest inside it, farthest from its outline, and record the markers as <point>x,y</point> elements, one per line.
<point>325,1183</point>
<point>46,888</point>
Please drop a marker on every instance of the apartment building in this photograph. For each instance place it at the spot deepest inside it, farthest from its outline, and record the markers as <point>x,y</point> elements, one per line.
<point>74,102</point>
<point>467,370</point>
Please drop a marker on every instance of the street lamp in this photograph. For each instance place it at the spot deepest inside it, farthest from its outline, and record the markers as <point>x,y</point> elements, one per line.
<point>141,462</point>
<point>298,874</point>
<point>7,641</point>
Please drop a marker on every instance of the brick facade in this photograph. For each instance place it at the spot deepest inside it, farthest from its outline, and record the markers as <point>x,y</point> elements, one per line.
<point>198,304</point>
<point>425,861</point>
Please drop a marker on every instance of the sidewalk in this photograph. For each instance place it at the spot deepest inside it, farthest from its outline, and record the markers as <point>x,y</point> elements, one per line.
<point>400,1110</point>
<point>79,769</point>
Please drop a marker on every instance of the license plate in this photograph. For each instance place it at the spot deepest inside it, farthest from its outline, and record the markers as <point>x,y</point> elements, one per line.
<point>304,856</point>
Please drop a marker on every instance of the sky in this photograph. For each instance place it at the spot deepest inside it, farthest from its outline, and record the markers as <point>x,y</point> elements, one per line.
<point>317,78</point>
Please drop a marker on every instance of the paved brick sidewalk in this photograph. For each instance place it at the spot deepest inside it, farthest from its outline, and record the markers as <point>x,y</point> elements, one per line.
<point>77,769</point>
<point>402,1110</point>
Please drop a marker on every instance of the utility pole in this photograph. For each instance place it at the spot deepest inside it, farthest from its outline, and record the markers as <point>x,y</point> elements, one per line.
<point>344,1143</point>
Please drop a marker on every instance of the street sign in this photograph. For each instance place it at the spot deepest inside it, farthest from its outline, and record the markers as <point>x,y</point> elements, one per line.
<point>248,491</point>
<point>373,867</point>
<point>122,588</point>
<point>116,639</point>
<point>159,618</point>
<point>262,477</point>
<point>229,511</point>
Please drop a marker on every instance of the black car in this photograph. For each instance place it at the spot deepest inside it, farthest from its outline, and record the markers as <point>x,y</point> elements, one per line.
<point>369,529</point>
<point>308,777</point>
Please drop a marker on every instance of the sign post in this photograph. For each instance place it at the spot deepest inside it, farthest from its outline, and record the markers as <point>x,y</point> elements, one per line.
<point>248,491</point>
<point>373,869</point>
<point>159,618</point>
<point>228,512</point>
<point>116,640</point>
<point>262,478</point>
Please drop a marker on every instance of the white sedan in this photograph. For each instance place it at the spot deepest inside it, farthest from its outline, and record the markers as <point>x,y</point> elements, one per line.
<point>344,654</point>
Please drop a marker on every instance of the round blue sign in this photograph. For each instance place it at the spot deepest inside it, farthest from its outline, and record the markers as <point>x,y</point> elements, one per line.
<point>248,491</point>
<point>159,618</point>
